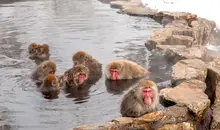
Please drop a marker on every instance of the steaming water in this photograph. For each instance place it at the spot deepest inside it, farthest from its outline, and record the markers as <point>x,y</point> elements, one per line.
<point>68,26</point>
<point>203,8</point>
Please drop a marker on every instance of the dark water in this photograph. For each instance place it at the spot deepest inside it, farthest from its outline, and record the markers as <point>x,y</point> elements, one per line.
<point>67,26</point>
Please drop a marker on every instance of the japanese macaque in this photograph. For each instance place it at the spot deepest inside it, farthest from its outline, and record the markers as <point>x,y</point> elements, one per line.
<point>124,69</point>
<point>140,100</point>
<point>38,51</point>
<point>75,76</point>
<point>43,69</point>
<point>32,50</point>
<point>81,57</point>
<point>50,87</point>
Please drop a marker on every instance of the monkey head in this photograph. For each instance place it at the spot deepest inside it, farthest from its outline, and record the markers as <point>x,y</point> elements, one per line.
<point>48,67</point>
<point>32,48</point>
<point>114,70</point>
<point>42,49</point>
<point>76,75</point>
<point>80,57</point>
<point>146,91</point>
<point>50,81</point>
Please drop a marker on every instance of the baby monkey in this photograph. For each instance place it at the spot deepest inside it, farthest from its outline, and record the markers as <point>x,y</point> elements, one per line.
<point>124,69</point>
<point>38,51</point>
<point>140,100</point>
<point>43,69</point>
<point>81,57</point>
<point>75,76</point>
<point>50,87</point>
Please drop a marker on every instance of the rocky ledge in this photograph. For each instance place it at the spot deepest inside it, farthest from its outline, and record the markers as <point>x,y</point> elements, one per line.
<point>194,99</point>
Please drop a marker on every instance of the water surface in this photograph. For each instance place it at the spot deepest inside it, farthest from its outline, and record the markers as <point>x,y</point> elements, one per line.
<point>68,26</point>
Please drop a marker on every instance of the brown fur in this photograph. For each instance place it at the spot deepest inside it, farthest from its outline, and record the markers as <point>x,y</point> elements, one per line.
<point>81,57</point>
<point>32,50</point>
<point>50,86</point>
<point>43,70</point>
<point>39,51</point>
<point>126,69</point>
<point>70,76</point>
<point>133,105</point>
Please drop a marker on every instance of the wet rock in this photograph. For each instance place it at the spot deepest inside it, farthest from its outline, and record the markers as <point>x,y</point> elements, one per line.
<point>212,80</point>
<point>188,69</point>
<point>137,11</point>
<point>202,29</point>
<point>119,4</point>
<point>215,125</point>
<point>191,94</point>
<point>172,117</point>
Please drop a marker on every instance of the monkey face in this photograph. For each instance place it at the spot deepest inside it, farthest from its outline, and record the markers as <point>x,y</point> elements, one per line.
<point>48,67</point>
<point>32,49</point>
<point>147,94</point>
<point>146,91</point>
<point>42,50</point>
<point>76,76</point>
<point>114,71</point>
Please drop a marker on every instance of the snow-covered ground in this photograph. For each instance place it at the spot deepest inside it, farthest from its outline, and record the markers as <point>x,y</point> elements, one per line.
<point>208,9</point>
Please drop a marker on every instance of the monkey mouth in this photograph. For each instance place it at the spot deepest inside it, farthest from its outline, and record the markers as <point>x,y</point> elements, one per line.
<point>51,72</point>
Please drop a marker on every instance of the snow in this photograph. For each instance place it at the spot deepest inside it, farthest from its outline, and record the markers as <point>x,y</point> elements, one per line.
<point>202,8</point>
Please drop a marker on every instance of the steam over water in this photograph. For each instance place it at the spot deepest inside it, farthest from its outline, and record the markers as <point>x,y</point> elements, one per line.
<point>68,26</point>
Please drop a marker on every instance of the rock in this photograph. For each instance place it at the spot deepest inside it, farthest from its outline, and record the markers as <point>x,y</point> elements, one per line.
<point>179,126</point>
<point>104,126</point>
<point>119,4</point>
<point>215,125</point>
<point>134,10</point>
<point>188,69</point>
<point>212,80</point>
<point>180,40</point>
<point>191,94</point>
<point>168,36</point>
<point>171,117</point>
<point>175,53</point>
<point>202,29</point>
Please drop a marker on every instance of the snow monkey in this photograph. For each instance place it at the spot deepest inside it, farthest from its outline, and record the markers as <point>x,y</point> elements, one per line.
<point>140,100</point>
<point>124,69</point>
<point>81,57</point>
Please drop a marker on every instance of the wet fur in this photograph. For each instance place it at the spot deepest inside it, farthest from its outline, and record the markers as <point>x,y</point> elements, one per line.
<point>81,57</point>
<point>133,105</point>
<point>126,69</point>
<point>68,77</point>
<point>50,86</point>
<point>43,70</point>
<point>39,52</point>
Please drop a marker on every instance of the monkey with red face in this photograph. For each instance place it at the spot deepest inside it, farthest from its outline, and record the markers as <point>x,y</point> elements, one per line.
<point>42,70</point>
<point>124,69</point>
<point>140,100</point>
